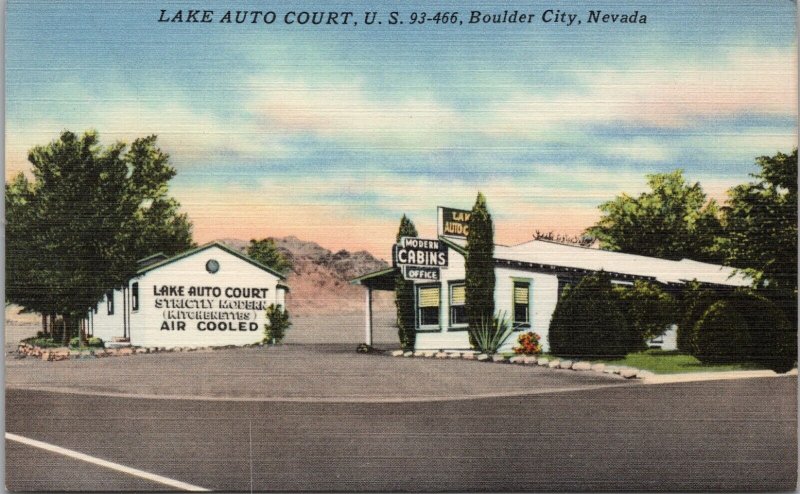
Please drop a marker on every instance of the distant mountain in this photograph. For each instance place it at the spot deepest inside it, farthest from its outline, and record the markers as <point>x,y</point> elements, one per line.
<point>319,280</point>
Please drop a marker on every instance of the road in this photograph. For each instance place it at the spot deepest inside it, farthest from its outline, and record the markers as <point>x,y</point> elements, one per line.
<point>735,435</point>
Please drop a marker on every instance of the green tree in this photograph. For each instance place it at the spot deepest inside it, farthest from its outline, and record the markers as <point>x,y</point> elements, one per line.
<point>79,227</point>
<point>404,294</point>
<point>674,220</point>
<point>278,324</point>
<point>760,236</point>
<point>479,266</point>
<point>267,253</point>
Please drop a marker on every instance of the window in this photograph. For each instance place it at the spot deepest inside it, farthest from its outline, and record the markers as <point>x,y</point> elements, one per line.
<point>110,302</point>
<point>428,306</point>
<point>522,304</point>
<point>135,296</point>
<point>458,308</point>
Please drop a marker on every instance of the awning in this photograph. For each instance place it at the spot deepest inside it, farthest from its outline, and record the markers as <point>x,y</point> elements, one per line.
<point>378,280</point>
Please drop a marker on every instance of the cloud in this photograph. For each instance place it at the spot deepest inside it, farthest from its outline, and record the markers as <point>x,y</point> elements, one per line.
<point>190,135</point>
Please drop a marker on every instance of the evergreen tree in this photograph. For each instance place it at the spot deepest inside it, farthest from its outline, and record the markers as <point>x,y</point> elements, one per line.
<point>90,213</point>
<point>479,265</point>
<point>404,295</point>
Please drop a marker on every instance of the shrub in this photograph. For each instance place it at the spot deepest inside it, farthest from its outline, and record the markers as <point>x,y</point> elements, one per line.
<point>647,308</point>
<point>277,324</point>
<point>528,344</point>
<point>746,327</point>
<point>588,322</point>
<point>41,342</point>
<point>490,334</point>
<point>693,302</point>
<point>91,342</point>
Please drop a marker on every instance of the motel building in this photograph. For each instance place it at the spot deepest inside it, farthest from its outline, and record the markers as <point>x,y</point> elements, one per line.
<point>530,278</point>
<point>207,296</point>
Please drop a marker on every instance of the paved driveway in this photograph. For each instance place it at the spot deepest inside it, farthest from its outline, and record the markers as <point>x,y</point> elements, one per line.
<point>298,372</point>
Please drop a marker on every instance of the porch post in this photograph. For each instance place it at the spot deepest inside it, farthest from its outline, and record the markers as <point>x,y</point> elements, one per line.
<point>368,317</point>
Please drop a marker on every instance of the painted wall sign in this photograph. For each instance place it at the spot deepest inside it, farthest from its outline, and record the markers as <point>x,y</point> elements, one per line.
<point>209,308</point>
<point>414,251</point>
<point>453,222</point>
<point>421,273</point>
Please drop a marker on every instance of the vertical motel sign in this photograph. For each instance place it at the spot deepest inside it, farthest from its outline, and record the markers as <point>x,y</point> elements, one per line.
<point>453,222</point>
<point>420,258</point>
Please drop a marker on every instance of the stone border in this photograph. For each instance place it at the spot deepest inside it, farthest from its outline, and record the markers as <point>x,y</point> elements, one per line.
<point>24,350</point>
<point>532,360</point>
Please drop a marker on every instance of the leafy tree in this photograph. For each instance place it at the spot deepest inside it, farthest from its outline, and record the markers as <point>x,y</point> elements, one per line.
<point>760,220</point>
<point>692,303</point>
<point>479,266</point>
<point>647,308</point>
<point>404,294</point>
<point>672,221</point>
<point>267,253</point>
<point>79,227</point>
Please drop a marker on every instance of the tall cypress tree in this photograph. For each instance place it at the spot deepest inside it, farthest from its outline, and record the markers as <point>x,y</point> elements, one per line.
<point>404,294</point>
<point>479,265</point>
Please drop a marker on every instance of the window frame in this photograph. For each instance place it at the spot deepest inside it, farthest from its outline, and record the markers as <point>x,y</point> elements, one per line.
<point>427,327</point>
<point>110,302</point>
<point>464,326</point>
<point>135,297</point>
<point>527,324</point>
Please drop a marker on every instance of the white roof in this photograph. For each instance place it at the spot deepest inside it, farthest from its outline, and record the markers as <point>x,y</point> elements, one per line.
<point>663,270</point>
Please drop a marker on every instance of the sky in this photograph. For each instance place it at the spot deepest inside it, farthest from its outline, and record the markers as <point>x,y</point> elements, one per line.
<point>331,133</point>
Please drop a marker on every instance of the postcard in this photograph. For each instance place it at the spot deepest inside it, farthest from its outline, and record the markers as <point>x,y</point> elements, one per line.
<point>361,246</point>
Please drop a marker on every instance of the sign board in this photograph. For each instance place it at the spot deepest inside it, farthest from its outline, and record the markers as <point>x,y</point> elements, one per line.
<point>421,273</point>
<point>453,222</point>
<point>414,251</point>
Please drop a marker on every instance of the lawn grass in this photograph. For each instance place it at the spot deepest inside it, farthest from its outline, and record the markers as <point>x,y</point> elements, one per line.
<point>662,362</point>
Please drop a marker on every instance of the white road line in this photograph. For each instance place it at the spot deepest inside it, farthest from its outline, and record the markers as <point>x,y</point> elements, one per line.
<point>104,463</point>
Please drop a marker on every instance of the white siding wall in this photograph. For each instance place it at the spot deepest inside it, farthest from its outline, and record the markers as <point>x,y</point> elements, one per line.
<point>543,295</point>
<point>146,323</point>
<point>107,327</point>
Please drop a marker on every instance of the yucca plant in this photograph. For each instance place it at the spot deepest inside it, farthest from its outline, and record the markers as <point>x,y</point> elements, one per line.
<point>491,333</point>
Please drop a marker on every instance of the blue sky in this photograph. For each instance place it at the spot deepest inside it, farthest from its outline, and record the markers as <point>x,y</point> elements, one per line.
<point>331,133</point>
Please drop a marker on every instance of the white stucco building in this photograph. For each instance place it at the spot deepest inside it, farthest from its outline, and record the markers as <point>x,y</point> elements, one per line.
<point>207,296</point>
<point>529,280</point>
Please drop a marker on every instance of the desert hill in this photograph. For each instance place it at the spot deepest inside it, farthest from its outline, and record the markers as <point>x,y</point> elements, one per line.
<point>319,279</point>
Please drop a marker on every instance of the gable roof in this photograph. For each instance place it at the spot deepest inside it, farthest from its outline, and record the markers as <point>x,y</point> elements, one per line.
<point>207,246</point>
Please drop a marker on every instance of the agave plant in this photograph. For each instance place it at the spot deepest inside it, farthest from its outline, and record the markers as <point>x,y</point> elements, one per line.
<point>491,333</point>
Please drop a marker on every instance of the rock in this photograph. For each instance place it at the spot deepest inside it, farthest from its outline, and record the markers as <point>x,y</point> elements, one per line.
<point>440,355</point>
<point>543,362</point>
<point>518,359</point>
<point>482,357</point>
<point>530,359</point>
<point>610,369</point>
<point>554,364</point>
<point>498,358</point>
<point>428,354</point>
<point>468,356</point>
<point>581,366</point>
<point>408,354</point>
<point>46,356</point>
<point>454,355</point>
<point>419,353</point>
<point>125,351</point>
<point>397,353</point>
<point>628,373</point>
<point>644,374</point>
<point>598,367</point>
<point>565,364</point>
